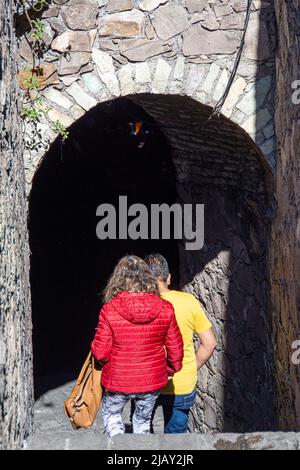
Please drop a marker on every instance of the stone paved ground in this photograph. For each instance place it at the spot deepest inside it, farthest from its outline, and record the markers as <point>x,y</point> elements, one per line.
<point>53,431</point>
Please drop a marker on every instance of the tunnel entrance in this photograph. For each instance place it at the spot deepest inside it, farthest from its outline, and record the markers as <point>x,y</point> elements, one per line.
<point>117,149</point>
<point>155,149</point>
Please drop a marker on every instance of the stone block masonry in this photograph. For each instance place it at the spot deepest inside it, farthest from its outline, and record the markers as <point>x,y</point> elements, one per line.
<point>105,49</point>
<point>285,259</point>
<point>16,388</point>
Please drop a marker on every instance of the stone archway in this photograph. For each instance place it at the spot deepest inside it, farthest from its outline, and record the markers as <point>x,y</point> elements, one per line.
<point>217,164</point>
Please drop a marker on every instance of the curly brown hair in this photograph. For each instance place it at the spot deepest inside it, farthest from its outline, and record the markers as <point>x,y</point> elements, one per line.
<point>131,274</point>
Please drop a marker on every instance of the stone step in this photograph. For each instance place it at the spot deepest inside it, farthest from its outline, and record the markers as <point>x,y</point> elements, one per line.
<point>95,440</point>
<point>54,431</point>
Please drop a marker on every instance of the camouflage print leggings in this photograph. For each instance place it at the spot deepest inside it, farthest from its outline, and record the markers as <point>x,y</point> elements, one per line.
<point>112,407</point>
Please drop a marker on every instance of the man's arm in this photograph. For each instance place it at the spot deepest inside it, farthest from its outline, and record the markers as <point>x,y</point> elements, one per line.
<point>207,346</point>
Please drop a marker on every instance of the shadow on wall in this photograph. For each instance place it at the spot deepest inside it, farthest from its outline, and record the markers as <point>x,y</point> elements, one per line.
<point>218,165</point>
<point>235,261</point>
<point>230,278</point>
<point>178,156</point>
<point>265,89</point>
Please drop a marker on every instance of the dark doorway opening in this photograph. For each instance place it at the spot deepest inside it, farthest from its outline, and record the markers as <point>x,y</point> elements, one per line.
<point>115,149</point>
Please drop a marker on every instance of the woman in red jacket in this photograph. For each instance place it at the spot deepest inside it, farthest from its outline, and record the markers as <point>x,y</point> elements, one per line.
<point>139,341</point>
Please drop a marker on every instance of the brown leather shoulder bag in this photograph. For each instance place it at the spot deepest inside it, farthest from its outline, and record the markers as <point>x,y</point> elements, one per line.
<point>84,402</point>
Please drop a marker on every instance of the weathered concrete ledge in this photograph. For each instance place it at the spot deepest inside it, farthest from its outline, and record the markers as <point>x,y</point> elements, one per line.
<point>54,432</point>
<point>87,440</point>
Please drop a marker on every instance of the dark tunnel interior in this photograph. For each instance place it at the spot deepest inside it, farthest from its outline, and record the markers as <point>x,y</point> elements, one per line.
<point>115,149</point>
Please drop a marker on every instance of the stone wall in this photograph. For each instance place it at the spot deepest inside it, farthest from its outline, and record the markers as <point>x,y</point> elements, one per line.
<point>285,260</point>
<point>96,51</point>
<point>16,400</point>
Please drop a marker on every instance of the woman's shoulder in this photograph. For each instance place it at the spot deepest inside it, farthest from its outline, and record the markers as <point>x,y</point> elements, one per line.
<point>106,308</point>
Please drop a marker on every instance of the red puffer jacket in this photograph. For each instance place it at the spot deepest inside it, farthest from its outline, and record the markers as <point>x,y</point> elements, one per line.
<point>132,332</point>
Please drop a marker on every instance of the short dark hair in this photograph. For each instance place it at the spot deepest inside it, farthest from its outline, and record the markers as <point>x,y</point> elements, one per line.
<point>158,266</point>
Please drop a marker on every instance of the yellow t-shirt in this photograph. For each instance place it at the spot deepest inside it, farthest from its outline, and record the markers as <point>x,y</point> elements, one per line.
<point>191,319</point>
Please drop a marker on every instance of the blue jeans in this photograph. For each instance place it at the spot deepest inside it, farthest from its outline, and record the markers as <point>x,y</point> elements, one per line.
<point>176,411</point>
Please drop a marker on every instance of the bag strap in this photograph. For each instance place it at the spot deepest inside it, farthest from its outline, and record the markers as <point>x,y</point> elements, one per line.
<point>84,368</point>
<point>79,394</point>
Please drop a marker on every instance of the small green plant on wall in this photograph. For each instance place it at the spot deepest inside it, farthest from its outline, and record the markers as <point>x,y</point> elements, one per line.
<point>38,30</point>
<point>32,78</point>
<point>60,129</point>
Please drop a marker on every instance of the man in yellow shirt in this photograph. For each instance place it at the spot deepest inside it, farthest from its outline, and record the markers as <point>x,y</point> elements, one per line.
<point>179,395</point>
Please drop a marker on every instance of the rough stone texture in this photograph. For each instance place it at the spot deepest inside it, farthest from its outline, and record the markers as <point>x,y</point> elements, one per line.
<point>51,12</point>
<point>25,50</point>
<point>149,5</point>
<point>16,399</point>
<point>196,75</point>
<point>80,15</point>
<point>233,21</point>
<point>195,5</point>
<point>209,20</point>
<point>58,98</point>
<point>48,75</point>
<point>142,73</point>
<point>56,115</point>
<point>119,5</point>
<point>142,49</point>
<point>251,124</point>
<point>222,10</point>
<point>235,92</point>
<point>74,41</point>
<point>92,82</point>
<point>221,85</point>
<point>71,63</point>
<point>81,97</point>
<point>122,25</point>
<point>197,40</point>
<point>106,71</point>
<point>257,43</point>
<point>68,79</point>
<point>256,96</point>
<point>126,80</point>
<point>285,254</point>
<point>208,84</point>
<point>169,20</point>
<point>161,76</point>
<point>92,440</point>
<point>57,25</point>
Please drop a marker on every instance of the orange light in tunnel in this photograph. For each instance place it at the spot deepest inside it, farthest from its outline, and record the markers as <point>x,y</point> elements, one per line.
<point>137,126</point>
